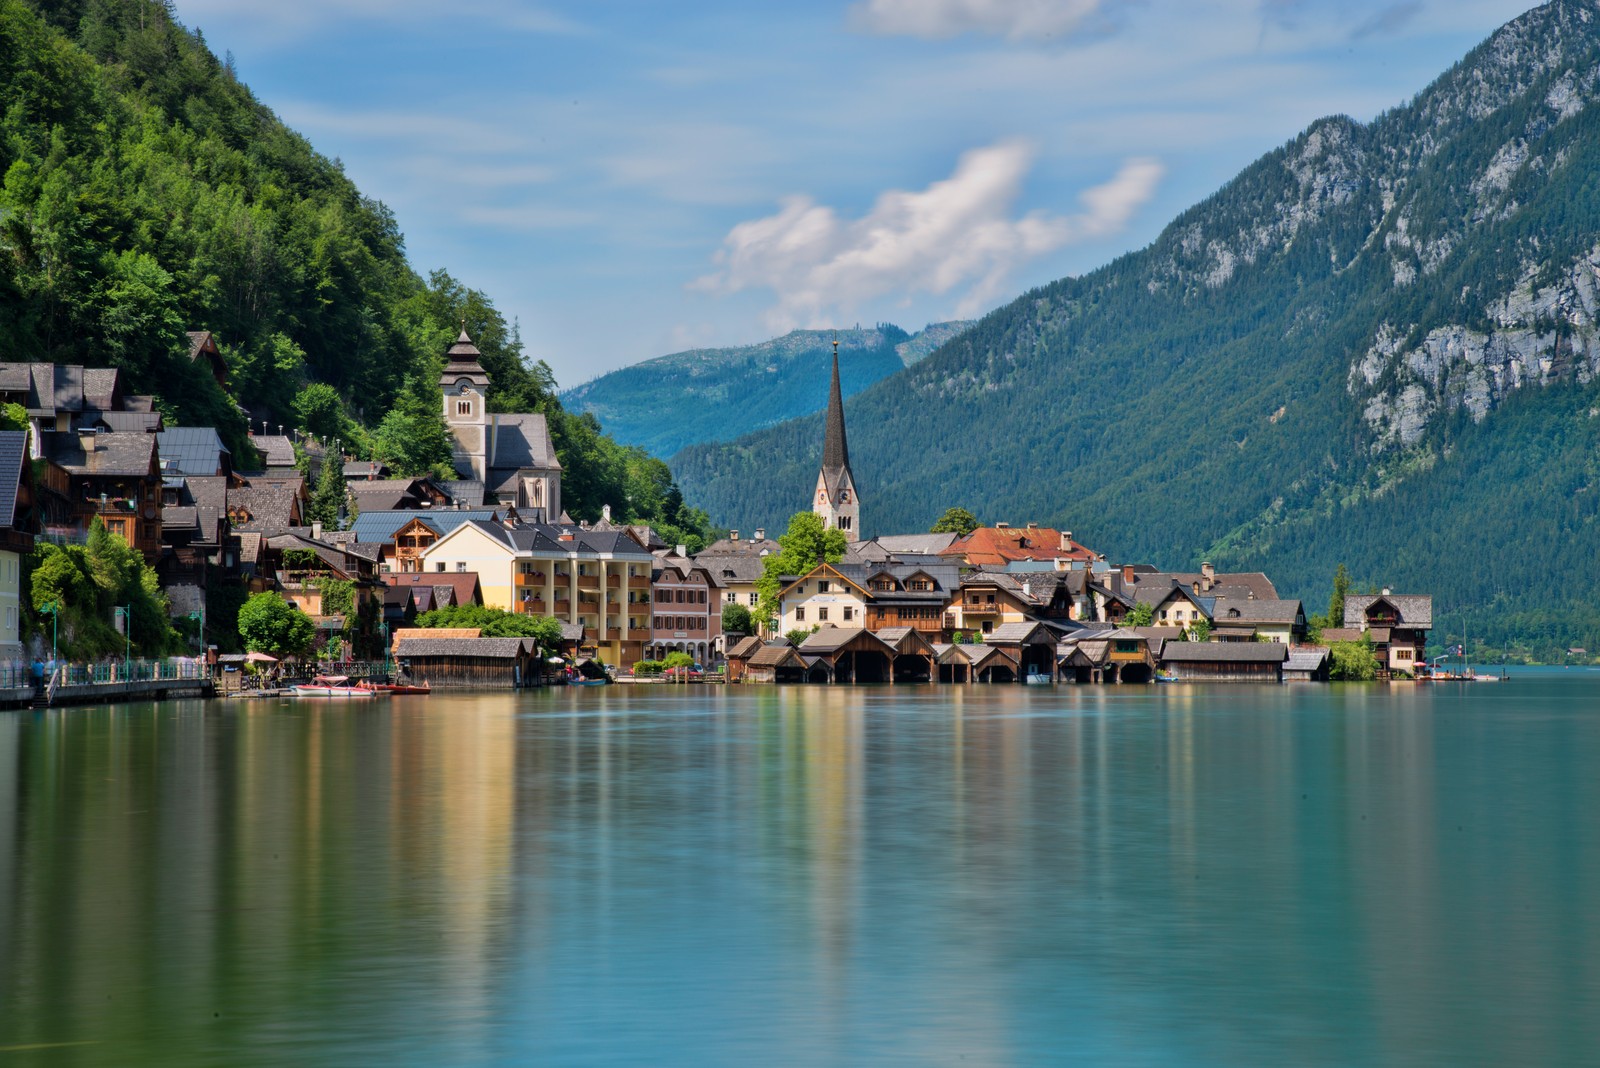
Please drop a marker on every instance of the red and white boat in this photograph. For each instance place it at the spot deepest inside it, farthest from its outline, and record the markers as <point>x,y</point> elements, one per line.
<point>399,689</point>
<point>332,686</point>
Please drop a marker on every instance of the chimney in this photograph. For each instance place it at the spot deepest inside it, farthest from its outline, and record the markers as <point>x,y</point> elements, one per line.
<point>316,530</point>
<point>1208,575</point>
<point>683,550</point>
<point>1385,590</point>
<point>761,533</point>
<point>733,535</point>
<point>86,436</point>
<point>1027,589</point>
<point>1127,574</point>
<point>1033,526</point>
<point>605,512</point>
<point>1066,541</point>
<point>1002,526</point>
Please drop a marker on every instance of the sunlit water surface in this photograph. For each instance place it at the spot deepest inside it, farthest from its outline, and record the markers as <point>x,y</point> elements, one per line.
<point>810,876</point>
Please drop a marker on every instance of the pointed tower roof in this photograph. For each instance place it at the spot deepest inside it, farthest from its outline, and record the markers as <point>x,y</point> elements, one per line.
<point>461,360</point>
<point>835,450</point>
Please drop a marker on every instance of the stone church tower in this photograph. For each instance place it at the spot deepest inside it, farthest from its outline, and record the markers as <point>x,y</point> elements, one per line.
<point>466,411</point>
<point>836,500</point>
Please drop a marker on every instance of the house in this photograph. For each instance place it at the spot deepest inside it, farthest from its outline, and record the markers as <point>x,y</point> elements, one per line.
<point>17,522</point>
<point>686,611</point>
<point>1398,625</point>
<point>65,398</point>
<point>986,600</point>
<point>598,579</point>
<point>736,564</point>
<point>825,596</point>
<point>194,538</point>
<point>910,595</point>
<point>1175,605</point>
<point>396,494</point>
<point>778,662</point>
<point>277,454</point>
<point>1030,646</point>
<point>1003,543</point>
<point>266,504</point>
<point>850,654</point>
<point>205,355</point>
<point>1247,620</point>
<point>1224,661</point>
<point>1307,664</point>
<point>1207,582</point>
<point>739,657</point>
<point>404,533</point>
<point>193,450</point>
<point>113,476</point>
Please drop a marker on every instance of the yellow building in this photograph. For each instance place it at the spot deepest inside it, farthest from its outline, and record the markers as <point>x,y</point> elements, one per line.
<point>599,580</point>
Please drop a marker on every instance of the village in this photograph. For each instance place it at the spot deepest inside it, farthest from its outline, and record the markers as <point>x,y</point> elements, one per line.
<point>1000,603</point>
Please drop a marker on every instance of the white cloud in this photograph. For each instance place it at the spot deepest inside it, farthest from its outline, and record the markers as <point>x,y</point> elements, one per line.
<point>957,235</point>
<point>934,19</point>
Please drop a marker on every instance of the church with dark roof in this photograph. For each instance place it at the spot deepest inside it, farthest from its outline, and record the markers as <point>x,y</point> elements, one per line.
<point>511,455</point>
<point>836,500</point>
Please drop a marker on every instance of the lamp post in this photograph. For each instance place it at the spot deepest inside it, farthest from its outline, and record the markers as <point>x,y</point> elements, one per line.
<point>127,637</point>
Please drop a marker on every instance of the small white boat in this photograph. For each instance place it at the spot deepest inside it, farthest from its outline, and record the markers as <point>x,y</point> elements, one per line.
<point>1039,678</point>
<point>333,686</point>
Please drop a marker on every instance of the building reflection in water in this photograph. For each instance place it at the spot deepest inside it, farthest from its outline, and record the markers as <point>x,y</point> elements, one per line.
<point>669,875</point>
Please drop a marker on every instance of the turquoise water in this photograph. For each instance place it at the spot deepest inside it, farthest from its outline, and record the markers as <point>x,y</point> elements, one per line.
<point>810,876</point>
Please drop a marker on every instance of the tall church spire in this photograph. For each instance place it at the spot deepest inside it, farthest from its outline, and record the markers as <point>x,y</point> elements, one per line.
<point>836,501</point>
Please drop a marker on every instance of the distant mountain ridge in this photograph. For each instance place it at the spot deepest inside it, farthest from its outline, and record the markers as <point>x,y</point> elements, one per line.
<point>1376,345</point>
<point>702,395</point>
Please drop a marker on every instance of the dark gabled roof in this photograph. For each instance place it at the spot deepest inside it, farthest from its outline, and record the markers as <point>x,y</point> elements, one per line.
<point>484,648</point>
<point>124,455</point>
<point>729,568</point>
<point>1415,610</point>
<point>467,492</point>
<point>1236,612</point>
<point>750,547</point>
<point>125,422</point>
<point>179,517</point>
<point>192,450</point>
<point>461,361</point>
<point>775,656</point>
<point>746,648</point>
<point>832,639</point>
<point>365,470</point>
<point>1017,633</point>
<point>522,441</point>
<point>270,507</point>
<point>1223,584</point>
<point>13,454</point>
<point>276,449</point>
<point>1224,652</point>
<point>382,500</point>
<point>1310,659</point>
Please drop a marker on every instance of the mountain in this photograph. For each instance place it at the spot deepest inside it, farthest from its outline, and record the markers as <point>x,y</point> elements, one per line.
<point>1375,345</point>
<point>144,191</point>
<point>664,404</point>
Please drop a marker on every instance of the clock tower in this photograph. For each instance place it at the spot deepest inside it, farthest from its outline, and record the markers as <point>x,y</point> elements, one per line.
<point>835,500</point>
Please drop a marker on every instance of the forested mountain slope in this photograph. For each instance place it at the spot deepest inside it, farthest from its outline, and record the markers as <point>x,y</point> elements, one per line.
<point>144,192</point>
<point>664,404</point>
<point>1376,345</point>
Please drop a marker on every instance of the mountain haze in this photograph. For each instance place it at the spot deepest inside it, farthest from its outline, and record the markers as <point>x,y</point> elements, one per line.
<point>665,404</point>
<point>1375,345</point>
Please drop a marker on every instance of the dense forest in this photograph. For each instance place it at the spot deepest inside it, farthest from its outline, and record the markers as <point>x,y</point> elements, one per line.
<point>670,402</point>
<point>146,192</point>
<point>1375,346</point>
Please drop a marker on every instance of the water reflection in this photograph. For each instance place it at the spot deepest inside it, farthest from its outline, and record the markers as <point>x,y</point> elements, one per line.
<point>1179,875</point>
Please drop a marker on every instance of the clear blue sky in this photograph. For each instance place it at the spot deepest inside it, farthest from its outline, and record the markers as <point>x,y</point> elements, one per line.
<point>628,179</point>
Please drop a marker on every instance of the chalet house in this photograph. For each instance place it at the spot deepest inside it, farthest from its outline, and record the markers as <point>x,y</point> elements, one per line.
<point>1398,625</point>
<point>987,600</point>
<point>17,522</point>
<point>909,595</point>
<point>405,534</point>
<point>737,563</point>
<point>396,494</point>
<point>114,476</point>
<point>686,611</point>
<point>1207,582</point>
<point>194,538</point>
<point>824,596</point>
<point>1248,620</point>
<point>207,357</point>
<point>1176,605</point>
<point>739,657</point>
<point>65,398</point>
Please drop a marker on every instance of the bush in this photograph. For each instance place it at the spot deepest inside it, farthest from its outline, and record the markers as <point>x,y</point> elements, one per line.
<point>647,668</point>
<point>1353,661</point>
<point>676,660</point>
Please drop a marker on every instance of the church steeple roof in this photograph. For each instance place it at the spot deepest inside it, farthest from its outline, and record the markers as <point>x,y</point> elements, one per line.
<point>835,450</point>
<point>461,360</point>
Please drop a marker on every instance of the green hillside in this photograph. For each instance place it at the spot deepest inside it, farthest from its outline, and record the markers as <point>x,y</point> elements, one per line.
<point>667,403</point>
<point>144,192</point>
<point>1376,345</point>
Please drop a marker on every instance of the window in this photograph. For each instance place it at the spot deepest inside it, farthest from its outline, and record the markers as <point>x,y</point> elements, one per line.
<point>822,585</point>
<point>732,598</point>
<point>439,566</point>
<point>987,626</point>
<point>680,596</point>
<point>849,613</point>
<point>844,522</point>
<point>800,614</point>
<point>753,598</point>
<point>822,614</point>
<point>461,565</point>
<point>463,407</point>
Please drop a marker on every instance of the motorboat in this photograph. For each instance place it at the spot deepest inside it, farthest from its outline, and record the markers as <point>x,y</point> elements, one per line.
<point>333,686</point>
<point>398,689</point>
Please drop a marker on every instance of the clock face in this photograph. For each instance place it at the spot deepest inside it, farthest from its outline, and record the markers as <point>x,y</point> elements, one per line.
<point>844,496</point>
<point>822,496</point>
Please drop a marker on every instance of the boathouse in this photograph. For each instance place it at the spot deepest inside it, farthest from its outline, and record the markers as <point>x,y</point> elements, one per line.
<point>1225,661</point>
<point>476,663</point>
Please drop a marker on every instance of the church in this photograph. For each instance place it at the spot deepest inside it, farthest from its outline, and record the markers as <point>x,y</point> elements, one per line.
<point>511,455</point>
<point>836,500</point>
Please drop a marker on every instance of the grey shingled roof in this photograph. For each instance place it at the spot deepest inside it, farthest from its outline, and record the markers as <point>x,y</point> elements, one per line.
<point>746,648</point>
<point>523,441</point>
<point>489,648</point>
<point>1008,633</point>
<point>114,455</point>
<point>126,422</point>
<point>1416,610</point>
<point>273,507</point>
<point>775,656</point>
<point>463,491</point>
<point>382,525</point>
<point>1224,652</point>
<point>276,449</point>
<point>1305,659</point>
<point>13,454</point>
<point>1229,611</point>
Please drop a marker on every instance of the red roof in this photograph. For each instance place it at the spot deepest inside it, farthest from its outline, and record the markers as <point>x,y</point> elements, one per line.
<point>1000,545</point>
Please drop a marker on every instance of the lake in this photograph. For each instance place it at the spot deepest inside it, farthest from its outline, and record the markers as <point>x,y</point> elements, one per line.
<point>1174,875</point>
